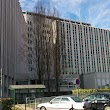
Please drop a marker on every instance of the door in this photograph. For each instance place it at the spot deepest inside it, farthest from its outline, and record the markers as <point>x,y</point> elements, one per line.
<point>65,104</point>
<point>54,104</point>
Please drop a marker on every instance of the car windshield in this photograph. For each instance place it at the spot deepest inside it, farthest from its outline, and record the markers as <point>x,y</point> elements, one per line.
<point>76,99</point>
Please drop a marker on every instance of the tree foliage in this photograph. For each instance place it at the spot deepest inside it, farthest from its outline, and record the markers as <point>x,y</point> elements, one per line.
<point>47,46</point>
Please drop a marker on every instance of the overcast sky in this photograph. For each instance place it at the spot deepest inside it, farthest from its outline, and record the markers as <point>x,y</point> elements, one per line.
<point>95,12</point>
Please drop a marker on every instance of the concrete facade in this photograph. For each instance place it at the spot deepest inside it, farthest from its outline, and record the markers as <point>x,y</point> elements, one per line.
<point>95,80</point>
<point>47,26</point>
<point>86,48</point>
<point>12,26</point>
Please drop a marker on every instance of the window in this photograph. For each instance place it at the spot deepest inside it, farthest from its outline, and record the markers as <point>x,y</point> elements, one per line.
<point>28,22</point>
<point>98,97</point>
<point>56,100</point>
<point>30,48</point>
<point>29,61</point>
<point>91,97</point>
<point>64,100</point>
<point>104,97</point>
<point>29,41</point>
<point>76,99</point>
<point>29,55</point>
<point>30,68</point>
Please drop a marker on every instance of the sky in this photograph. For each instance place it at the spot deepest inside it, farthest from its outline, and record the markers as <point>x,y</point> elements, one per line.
<point>95,12</point>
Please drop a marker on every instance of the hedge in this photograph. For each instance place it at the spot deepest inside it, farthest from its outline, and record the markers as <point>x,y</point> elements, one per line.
<point>88,91</point>
<point>7,103</point>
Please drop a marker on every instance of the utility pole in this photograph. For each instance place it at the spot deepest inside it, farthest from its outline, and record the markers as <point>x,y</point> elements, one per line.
<point>1,54</point>
<point>1,89</point>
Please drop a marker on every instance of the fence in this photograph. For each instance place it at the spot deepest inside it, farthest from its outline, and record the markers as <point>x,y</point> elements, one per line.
<point>32,103</point>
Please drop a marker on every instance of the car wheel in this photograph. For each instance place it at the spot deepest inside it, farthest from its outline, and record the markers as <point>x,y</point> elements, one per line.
<point>106,108</point>
<point>43,108</point>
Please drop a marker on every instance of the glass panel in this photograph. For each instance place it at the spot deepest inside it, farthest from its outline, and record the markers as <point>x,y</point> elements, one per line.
<point>56,100</point>
<point>91,97</point>
<point>76,99</point>
<point>64,99</point>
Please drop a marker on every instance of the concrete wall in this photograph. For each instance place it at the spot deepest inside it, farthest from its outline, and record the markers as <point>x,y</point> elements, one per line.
<point>95,80</point>
<point>12,26</point>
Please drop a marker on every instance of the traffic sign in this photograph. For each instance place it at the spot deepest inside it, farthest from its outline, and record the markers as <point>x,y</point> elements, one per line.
<point>77,81</point>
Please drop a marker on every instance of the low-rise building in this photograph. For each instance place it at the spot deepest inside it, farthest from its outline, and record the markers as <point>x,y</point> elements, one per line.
<point>95,80</point>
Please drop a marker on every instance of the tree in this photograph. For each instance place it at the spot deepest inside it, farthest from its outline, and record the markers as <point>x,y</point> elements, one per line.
<point>58,56</point>
<point>44,20</point>
<point>47,46</point>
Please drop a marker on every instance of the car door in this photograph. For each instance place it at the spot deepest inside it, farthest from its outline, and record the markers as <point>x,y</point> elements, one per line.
<point>65,104</point>
<point>102,99</point>
<point>54,103</point>
<point>91,98</point>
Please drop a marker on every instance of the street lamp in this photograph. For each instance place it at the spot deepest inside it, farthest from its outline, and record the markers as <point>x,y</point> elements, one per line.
<point>1,87</point>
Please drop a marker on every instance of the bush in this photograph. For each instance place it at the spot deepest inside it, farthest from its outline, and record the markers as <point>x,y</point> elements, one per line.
<point>89,91</point>
<point>7,103</point>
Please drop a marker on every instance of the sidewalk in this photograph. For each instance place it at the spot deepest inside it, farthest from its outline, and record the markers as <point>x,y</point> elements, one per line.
<point>22,106</point>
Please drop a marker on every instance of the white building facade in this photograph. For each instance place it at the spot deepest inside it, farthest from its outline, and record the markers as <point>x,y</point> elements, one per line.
<point>86,53</point>
<point>86,49</point>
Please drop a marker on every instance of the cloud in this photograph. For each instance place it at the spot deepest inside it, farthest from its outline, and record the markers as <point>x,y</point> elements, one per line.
<point>65,7</point>
<point>95,12</point>
<point>27,5</point>
<point>99,14</point>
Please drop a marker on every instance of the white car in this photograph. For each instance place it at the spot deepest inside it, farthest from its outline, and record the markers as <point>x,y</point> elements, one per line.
<point>64,103</point>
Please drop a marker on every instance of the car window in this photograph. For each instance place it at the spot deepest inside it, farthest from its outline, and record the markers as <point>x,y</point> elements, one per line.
<point>104,97</point>
<point>98,97</point>
<point>64,100</point>
<point>56,100</point>
<point>91,97</point>
<point>76,99</point>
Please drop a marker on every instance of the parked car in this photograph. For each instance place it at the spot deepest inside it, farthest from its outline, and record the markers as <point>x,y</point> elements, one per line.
<point>64,103</point>
<point>99,100</point>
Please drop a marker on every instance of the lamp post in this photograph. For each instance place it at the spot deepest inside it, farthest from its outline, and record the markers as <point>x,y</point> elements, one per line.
<point>1,87</point>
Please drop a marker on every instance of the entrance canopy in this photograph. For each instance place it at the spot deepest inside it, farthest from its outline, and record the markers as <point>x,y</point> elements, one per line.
<point>20,92</point>
<point>40,86</point>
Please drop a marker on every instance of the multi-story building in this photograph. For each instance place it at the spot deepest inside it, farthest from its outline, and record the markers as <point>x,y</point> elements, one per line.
<point>87,52</point>
<point>12,26</point>
<point>86,49</point>
<point>39,29</point>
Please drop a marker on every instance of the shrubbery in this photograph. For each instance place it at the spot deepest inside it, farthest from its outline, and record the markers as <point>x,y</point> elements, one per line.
<point>89,91</point>
<point>7,103</point>
<point>84,92</point>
